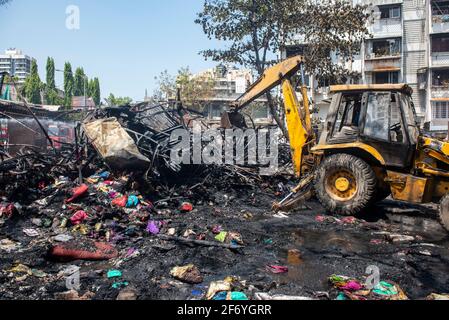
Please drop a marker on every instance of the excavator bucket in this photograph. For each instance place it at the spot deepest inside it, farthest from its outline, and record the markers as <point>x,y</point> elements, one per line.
<point>231,120</point>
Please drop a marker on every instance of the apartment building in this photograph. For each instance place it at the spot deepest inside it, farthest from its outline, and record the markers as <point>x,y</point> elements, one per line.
<point>437,84</point>
<point>409,43</point>
<point>17,64</point>
<point>229,84</point>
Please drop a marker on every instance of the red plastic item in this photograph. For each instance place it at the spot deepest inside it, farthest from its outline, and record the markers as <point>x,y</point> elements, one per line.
<point>7,210</point>
<point>93,251</point>
<point>120,202</point>
<point>78,192</point>
<point>79,217</point>
<point>186,207</point>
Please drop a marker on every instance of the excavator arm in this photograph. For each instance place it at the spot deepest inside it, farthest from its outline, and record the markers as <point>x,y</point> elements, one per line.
<point>297,114</point>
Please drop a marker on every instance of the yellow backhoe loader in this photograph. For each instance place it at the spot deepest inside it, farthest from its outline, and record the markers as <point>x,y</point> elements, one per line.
<point>371,146</point>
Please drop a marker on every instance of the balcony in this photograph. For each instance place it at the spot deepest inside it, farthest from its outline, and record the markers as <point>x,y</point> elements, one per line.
<point>440,93</point>
<point>439,59</point>
<point>440,24</point>
<point>384,28</point>
<point>383,64</point>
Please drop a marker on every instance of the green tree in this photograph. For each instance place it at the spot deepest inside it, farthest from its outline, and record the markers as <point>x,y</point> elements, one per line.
<point>196,90</point>
<point>51,73</point>
<point>114,101</point>
<point>255,30</point>
<point>166,87</point>
<point>80,82</point>
<point>33,85</point>
<point>10,80</point>
<point>51,94</point>
<point>90,87</point>
<point>68,84</point>
<point>96,93</point>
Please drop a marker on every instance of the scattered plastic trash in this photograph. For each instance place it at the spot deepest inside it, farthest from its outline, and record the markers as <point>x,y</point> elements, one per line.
<point>238,296</point>
<point>395,238</point>
<point>31,232</point>
<point>7,210</point>
<point>79,217</point>
<point>348,220</point>
<point>62,238</point>
<point>217,287</point>
<point>120,202</point>
<point>385,289</point>
<point>83,251</point>
<point>186,207</point>
<point>438,297</point>
<point>78,192</point>
<point>267,297</point>
<point>352,289</point>
<point>153,227</point>
<point>221,237</point>
<point>114,274</point>
<point>132,202</point>
<point>188,274</point>
<point>277,269</point>
<point>352,285</point>
<point>8,245</point>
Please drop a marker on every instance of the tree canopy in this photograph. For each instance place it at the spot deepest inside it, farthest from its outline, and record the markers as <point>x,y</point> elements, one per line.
<point>68,84</point>
<point>114,101</point>
<point>254,31</point>
<point>195,90</point>
<point>33,85</point>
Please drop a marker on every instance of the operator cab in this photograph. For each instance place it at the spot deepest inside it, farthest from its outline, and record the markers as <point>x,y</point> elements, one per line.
<point>380,116</point>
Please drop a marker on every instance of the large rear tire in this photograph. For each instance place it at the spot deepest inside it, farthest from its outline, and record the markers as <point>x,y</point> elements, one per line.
<point>444,212</point>
<point>345,184</point>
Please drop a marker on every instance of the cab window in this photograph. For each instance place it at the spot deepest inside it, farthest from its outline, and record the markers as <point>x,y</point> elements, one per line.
<point>410,116</point>
<point>376,123</point>
<point>384,118</point>
<point>348,115</point>
<point>397,130</point>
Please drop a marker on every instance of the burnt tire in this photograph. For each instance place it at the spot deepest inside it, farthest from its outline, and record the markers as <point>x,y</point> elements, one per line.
<point>443,216</point>
<point>353,170</point>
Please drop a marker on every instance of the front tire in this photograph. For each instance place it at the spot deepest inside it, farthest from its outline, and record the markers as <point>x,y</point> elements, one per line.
<point>345,184</point>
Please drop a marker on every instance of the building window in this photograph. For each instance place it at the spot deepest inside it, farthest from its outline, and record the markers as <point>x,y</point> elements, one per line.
<point>440,7</point>
<point>386,77</point>
<point>440,110</point>
<point>386,47</point>
<point>260,111</point>
<point>440,43</point>
<point>390,12</point>
<point>216,111</point>
<point>440,78</point>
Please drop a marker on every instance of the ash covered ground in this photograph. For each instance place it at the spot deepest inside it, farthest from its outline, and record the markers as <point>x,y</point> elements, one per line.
<point>405,242</point>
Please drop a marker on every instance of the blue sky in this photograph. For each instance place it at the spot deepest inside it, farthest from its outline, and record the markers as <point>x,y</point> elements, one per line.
<point>124,43</point>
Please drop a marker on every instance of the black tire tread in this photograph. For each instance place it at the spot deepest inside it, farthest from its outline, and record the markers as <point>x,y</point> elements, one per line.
<point>366,181</point>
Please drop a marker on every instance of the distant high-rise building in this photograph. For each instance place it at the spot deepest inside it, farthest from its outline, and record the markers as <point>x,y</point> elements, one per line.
<point>16,64</point>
